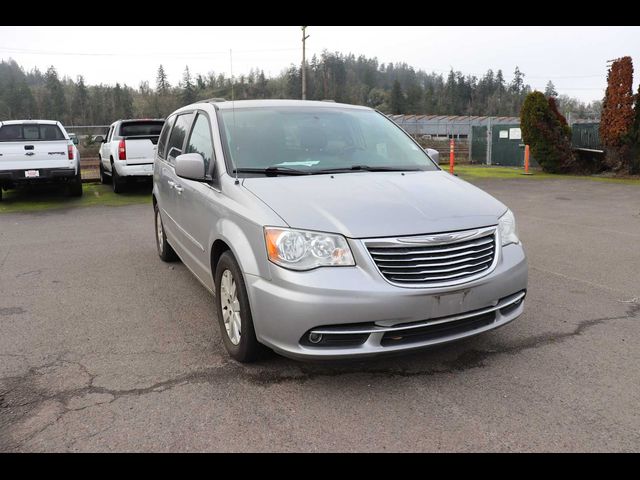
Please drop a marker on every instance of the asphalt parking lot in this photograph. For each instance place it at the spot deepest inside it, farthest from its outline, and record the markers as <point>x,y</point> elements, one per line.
<point>105,348</point>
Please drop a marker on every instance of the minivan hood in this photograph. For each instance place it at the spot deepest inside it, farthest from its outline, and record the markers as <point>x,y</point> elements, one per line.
<point>377,204</point>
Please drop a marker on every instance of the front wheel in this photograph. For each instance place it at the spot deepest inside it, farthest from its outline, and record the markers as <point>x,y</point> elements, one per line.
<point>165,251</point>
<point>234,313</point>
<point>103,176</point>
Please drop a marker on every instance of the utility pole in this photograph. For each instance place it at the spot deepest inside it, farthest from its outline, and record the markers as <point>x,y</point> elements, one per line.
<point>304,65</point>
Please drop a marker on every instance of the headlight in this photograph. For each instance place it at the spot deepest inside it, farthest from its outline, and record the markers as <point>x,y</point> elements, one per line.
<point>507,228</point>
<point>304,250</point>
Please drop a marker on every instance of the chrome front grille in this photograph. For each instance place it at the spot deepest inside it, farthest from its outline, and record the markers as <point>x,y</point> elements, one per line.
<point>435,260</point>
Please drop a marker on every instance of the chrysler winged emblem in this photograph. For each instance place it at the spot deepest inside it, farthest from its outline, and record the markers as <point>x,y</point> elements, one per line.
<point>440,238</point>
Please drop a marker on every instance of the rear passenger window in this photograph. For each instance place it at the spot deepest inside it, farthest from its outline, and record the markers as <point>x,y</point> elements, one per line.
<point>200,140</point>
<point>11,133</point>
<point>162,141</point>
<point>109,134</point>
<point>31,132</point>
<point>178,135</point>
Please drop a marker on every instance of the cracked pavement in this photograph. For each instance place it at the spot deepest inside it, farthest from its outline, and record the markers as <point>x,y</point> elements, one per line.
<point>106,348</point>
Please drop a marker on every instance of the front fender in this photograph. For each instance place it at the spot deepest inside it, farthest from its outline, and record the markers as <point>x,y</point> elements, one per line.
<point>246,241</point>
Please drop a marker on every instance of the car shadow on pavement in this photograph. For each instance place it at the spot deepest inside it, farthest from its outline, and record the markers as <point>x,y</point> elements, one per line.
<point>434,360</point>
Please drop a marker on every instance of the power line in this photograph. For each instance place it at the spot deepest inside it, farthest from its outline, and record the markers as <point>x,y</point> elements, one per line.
<point>25,51</point>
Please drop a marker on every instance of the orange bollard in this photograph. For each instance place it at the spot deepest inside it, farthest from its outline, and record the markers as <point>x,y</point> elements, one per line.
<point>526,161</point>
<point>451,156</point>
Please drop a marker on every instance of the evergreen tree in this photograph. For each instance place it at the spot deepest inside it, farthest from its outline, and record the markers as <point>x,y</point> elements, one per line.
<point>118,101</point>
<point>396,101</point>
<point>634,136</point>
<point>261,85</point>
<point>26,102</point>
<point>553,106</point>
<point>414,104</point>
<point>79,102</point>
<point>188,94</point>
<point>500,81</point>
<point>162,84</point>
<point>550,90</point>
<point>517,84</point>
<point>617,108</point>
<point>618,116</point>
<point>542,130</point>
<point>55,105</point>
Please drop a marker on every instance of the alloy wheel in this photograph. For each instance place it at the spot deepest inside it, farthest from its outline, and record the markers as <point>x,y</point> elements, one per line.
<point>230,307</point>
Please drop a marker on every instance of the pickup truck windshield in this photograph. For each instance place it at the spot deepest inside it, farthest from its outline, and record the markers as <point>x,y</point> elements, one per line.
<point>30,132</point>
<point>132,129</point>
<point>314,140</point>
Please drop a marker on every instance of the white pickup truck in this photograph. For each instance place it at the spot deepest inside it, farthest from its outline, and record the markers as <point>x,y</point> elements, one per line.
<point>36,152</point>
<point>128,151</point>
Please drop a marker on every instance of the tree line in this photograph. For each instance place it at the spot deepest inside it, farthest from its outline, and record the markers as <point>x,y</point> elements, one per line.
<point>395,88</point>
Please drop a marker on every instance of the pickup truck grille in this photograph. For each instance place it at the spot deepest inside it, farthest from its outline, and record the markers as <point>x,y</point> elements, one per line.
<point>435,260</point>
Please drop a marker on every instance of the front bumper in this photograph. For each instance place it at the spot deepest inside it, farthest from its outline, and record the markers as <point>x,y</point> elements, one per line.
<point>135,170</point>
<point>352,300</point>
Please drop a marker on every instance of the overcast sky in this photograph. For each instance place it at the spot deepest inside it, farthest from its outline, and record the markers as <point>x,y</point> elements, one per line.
<point>574,58</point>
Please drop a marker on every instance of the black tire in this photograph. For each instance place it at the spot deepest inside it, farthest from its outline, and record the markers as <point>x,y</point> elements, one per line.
<point>74,189</point>
<point>248,348</point>
<point>165,251</point>
<point>0,193</point>
<point>104,179</point>
<point>116,181</point>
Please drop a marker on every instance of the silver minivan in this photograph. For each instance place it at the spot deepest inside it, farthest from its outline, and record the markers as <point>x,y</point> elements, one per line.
<point>323,230</point>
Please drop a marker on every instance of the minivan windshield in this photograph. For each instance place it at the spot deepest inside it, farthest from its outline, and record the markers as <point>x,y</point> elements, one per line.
<point>307,140</point>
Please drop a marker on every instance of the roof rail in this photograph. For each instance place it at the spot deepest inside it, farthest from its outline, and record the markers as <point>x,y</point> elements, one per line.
<point>328,100</point>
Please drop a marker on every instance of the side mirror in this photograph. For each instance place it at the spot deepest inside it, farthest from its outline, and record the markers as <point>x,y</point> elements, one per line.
<point>75,140</point>
<point>434,154</point>
<point>191,166</point>
<point>98,138</point>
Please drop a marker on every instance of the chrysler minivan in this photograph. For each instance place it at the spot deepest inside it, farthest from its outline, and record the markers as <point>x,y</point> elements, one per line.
<point>323,230</point>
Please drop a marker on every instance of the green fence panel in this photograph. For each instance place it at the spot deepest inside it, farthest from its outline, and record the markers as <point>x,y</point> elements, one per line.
<point>507,146</point>
<point>478,144</point>
<point>586,135</point>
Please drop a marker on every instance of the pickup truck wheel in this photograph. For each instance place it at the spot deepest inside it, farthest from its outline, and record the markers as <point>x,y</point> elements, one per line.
<point>234,313</point>
<point>103,176</point>
<point>166,253</point>
<point>75,187</point>
<point>116,180</point>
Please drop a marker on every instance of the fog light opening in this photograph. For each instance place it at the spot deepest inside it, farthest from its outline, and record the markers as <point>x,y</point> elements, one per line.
<point>315,337</point>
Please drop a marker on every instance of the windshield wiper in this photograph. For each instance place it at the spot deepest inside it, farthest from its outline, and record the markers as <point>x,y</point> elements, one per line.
<point>272,171</point>
<point>367,168</point>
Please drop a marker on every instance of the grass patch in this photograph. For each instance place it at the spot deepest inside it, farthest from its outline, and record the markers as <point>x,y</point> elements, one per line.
<point>49,197</point>
<point>471,172</point>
